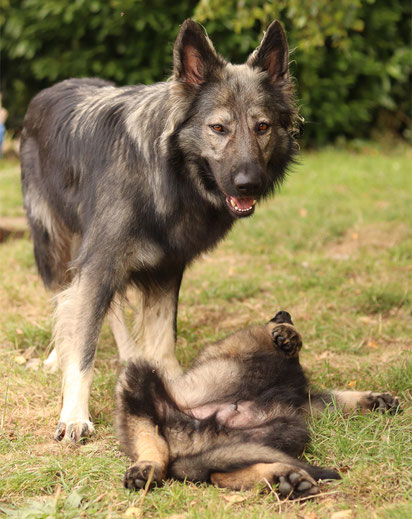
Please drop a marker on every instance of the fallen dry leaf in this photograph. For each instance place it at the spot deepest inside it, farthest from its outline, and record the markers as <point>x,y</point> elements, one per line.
<point>234,498</point>
<point>372,344</point>
<point>343,514</point>
<point>324,355</point>
<point>33,364</point>
<point>365,319</point>
<point>134,512</point>
<point>29,352</point>
<point>20,360</point>
<point>311,515</point>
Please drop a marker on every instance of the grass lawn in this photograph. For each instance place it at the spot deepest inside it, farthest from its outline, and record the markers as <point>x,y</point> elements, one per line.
<point>334,248</point>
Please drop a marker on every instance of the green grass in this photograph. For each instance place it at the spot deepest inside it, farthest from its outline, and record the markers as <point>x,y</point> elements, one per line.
<point>334,248</point>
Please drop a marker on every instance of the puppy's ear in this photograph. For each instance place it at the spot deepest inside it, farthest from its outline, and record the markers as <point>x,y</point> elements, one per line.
<point>195,60</point>
<point>282,317</point>
<point>272,55</point>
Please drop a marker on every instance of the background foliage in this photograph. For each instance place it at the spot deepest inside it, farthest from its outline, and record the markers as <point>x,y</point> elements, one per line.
<point>351,58</point>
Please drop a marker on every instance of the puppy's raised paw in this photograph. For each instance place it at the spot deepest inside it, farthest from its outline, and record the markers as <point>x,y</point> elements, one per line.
<point>287,339</point>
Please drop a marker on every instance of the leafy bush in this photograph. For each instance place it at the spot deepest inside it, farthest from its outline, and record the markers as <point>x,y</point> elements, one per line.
<point>351,58</point>
<point>45,41</point>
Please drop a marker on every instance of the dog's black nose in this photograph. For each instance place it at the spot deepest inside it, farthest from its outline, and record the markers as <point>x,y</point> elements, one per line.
<point>247,184</point>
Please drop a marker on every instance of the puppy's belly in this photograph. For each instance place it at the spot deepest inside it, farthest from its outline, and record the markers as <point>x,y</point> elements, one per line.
<point>238,415</point>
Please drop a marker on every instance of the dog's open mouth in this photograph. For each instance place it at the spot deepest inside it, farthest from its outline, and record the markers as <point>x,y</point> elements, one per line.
<point>241,206</point>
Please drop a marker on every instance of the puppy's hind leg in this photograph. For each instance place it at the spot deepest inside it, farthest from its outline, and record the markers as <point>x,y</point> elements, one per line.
<point>239,466</point>
<point>291,480</point>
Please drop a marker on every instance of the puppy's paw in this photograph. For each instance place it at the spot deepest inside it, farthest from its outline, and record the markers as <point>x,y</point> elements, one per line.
<point>137,476</point>
<point>382,402</point>
<point>287,339</point>
<point>296,483</point>
<point>75,432</point>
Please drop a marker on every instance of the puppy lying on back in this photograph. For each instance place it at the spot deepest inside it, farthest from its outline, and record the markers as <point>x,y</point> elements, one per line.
<point>235,418</point>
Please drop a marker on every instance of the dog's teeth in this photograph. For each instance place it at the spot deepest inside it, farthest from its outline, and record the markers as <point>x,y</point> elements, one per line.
<point>239,209</point>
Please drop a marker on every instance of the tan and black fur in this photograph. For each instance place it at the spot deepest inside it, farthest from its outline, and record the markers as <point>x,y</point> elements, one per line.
<point>235,418</point>
<point>125,186</point>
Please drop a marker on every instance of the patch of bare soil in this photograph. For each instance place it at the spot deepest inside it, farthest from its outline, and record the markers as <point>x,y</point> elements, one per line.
<point>13,227</point>
<point>374,236</point>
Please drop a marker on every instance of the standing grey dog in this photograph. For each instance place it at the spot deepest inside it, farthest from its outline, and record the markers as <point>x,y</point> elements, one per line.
<point>126,186</point>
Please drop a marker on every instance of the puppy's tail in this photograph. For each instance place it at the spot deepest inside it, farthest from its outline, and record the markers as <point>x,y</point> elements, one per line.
<point>141,390</point>
<point>320,472</point>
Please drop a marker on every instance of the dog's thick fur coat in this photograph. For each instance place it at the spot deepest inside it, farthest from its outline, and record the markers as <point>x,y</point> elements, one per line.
<point>126,186</point>
<point>237,417</point>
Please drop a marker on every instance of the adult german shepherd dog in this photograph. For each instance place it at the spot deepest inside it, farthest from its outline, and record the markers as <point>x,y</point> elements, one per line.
<point>126,186</point>
<point>235,418</point>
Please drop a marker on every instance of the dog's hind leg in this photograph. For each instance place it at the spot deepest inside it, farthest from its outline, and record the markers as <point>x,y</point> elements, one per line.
<point>125,343</point>
<point>155,326</point>
<point>78,319</point>
<point>51,364</point>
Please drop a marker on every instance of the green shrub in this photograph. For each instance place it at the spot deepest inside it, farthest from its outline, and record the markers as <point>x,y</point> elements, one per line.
<point>351,58</point>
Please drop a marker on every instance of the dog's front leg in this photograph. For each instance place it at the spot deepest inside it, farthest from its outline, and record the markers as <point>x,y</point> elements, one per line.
<point>78,319</point>
<point>348,401</point>
<point>148,451</point>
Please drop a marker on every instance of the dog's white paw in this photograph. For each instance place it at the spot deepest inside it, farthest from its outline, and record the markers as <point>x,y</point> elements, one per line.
<point>73,432</point>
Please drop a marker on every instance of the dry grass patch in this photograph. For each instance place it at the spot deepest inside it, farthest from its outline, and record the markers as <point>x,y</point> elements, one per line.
<point>335,250</point>
<point>377,236</point>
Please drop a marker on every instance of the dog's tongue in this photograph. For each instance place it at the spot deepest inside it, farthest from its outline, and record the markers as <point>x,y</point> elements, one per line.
<point>243,203</point>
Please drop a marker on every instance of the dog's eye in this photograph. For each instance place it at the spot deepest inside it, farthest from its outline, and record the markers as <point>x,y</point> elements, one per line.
<point>218,128</point>
<point>262,127</point>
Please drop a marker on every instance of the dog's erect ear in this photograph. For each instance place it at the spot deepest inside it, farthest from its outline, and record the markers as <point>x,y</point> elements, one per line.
<point>195,59</point>
<point>272,55</point>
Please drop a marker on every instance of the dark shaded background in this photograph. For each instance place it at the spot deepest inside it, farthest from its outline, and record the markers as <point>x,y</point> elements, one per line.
<point>352,59</point>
